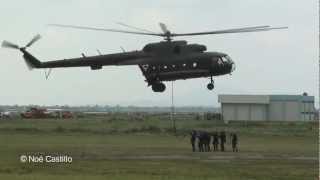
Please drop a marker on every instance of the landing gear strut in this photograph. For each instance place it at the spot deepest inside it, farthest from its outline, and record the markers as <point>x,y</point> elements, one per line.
<point>158,87</point>
<point>210,86</point>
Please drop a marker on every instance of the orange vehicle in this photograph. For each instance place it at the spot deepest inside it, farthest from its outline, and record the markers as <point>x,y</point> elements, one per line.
<point>36,113</point>
<point>66,115</point>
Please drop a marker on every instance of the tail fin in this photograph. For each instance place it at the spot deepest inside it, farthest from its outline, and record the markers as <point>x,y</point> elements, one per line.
<point>30,60</point>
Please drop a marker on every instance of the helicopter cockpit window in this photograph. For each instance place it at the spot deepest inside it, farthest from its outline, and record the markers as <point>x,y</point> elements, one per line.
<point>227,59</point>
<point>219,61</point>
<point>224,59</point>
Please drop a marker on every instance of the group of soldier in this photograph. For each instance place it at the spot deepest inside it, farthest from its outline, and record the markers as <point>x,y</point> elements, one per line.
<point>202,140</point>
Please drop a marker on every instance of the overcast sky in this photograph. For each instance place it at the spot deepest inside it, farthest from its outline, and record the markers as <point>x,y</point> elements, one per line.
<point>274,62</point>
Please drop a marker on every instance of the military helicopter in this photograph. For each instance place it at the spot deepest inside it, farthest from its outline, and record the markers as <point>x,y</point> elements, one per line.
<point>167,60</point>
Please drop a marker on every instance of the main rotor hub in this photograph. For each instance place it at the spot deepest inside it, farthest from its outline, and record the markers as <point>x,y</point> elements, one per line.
<point>168,36</point>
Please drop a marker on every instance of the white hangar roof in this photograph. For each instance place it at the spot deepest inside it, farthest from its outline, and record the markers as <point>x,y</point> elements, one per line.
<point>261,99</point>
<point>244,99</point>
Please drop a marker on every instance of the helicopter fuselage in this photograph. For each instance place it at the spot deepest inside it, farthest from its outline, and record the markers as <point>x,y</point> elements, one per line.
<point>164,61</point>
<point>178,60</point>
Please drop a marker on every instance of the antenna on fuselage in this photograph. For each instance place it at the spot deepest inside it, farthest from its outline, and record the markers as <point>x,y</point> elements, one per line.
<point>47,73</point>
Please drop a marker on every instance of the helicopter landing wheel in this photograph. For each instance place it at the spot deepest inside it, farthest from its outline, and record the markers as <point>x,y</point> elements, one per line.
<point>159,87</point>
<point>210,86</point>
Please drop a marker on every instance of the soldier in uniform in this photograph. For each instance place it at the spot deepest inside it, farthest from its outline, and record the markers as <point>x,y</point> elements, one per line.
<point>200,142</point>
<point>215,141</point>
<point>234,142</point>
<point>222,140</point>
<point>193,140</point>
<point>206,141</point>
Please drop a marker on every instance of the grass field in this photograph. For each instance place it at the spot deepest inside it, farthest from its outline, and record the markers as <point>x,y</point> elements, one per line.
<point>111,148</point>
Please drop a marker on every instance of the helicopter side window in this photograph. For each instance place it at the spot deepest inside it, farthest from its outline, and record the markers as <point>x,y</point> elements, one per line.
<point>194,64</point>
<point>176,50</point>
<point>145,67</point>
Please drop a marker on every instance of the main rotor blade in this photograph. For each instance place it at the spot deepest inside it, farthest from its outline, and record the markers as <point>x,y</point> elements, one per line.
<point>133,27</point>
<point>33,40</point>
<point>102,29</point>
<point>7,44</point>
<point>238,30</point>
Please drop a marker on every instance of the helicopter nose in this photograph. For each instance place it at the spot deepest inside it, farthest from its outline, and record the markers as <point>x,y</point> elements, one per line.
<point>231,63</point>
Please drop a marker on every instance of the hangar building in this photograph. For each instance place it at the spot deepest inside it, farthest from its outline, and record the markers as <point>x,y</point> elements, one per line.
<point>267,107</point>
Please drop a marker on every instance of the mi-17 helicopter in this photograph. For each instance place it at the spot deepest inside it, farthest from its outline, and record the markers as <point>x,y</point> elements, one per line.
<point>167,60</point>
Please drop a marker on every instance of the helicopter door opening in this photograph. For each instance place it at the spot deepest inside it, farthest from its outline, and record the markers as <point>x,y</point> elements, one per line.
<point>176,50</point>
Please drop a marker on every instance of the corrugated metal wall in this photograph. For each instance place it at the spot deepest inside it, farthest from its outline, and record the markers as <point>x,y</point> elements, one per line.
<point>244,112</point>
<point>257,108</point>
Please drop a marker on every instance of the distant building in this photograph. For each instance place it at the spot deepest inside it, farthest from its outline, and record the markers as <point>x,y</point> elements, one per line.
<point>267,107</point>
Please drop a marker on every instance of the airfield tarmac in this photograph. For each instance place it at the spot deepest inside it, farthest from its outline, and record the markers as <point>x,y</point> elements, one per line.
<point>126,149</point>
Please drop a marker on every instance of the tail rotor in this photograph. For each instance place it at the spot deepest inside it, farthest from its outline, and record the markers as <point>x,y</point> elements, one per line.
<point>30,60</point>
<point>33,40</point>
<point>7,44</point>
<point>10,45</point>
